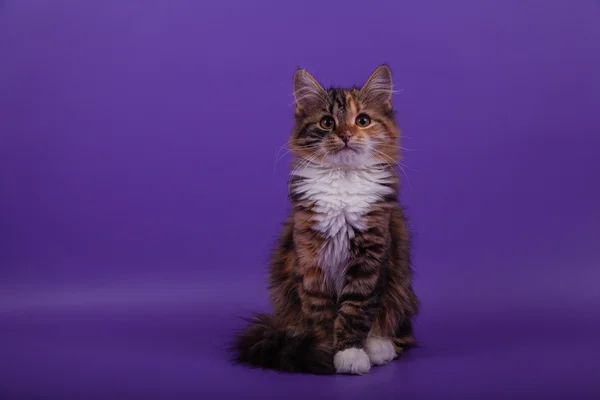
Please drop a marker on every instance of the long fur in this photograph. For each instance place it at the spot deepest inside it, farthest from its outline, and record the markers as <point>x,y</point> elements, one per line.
<point>266,344</point>
<point>340,274</point>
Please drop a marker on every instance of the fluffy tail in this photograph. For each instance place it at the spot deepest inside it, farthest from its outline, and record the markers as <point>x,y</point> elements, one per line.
<point>266,344</point>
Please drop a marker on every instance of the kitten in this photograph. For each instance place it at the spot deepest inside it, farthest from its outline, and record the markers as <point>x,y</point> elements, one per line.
<point>340,276</point>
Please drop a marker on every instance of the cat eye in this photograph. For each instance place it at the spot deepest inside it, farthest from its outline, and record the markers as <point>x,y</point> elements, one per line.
<point>363,120</point>
<point>327,123</point>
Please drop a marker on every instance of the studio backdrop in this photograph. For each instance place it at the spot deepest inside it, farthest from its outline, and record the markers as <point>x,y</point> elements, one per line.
<point>143,183</point>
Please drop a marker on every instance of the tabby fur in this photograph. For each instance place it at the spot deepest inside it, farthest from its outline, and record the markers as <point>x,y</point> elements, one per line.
<point>340,277</point>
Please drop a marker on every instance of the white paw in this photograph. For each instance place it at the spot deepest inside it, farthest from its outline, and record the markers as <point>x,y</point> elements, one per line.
<point>352,361</point>
<point>380,350</point>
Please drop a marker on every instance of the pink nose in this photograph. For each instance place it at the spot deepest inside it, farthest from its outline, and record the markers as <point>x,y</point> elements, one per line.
<point>345,136</point>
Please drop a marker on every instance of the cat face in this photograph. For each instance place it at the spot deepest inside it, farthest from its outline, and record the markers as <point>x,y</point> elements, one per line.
<point>348,128</point>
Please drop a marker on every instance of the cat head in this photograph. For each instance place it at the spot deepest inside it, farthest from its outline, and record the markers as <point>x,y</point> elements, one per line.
<point>345,127</point>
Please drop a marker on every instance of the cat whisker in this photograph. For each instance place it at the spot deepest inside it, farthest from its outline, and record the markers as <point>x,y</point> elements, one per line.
<point>376,141</point>
<point>285,146</point>
<point>396,146</point>
<point>287,150</point>
<point>409,168</point>
<point>303,162</point>
<point>279,157</point>
<point>396,163</point>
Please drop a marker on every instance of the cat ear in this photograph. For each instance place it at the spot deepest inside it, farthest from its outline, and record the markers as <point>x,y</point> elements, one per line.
<point>379,86</point>
<point>307,91</point>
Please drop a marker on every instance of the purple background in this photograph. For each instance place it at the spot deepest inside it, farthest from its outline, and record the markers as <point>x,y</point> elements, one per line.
<point>139,198</point>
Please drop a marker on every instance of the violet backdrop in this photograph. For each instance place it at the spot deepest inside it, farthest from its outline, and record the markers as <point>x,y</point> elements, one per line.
<point>140,198</point>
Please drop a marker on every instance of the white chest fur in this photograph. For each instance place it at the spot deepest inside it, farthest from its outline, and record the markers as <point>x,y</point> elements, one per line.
<point>342,198</point>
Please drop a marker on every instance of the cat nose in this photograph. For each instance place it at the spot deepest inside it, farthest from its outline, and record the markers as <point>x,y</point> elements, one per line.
<point>345,136</point>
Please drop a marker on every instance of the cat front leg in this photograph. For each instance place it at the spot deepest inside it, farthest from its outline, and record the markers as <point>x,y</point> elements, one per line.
<point>359,299</point>
<point>357,310</point>
<point>317,299</point>
<point>317,302</point>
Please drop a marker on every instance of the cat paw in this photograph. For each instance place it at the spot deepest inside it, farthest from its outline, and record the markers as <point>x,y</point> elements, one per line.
<point>352,361</point>
<point>380,350</point>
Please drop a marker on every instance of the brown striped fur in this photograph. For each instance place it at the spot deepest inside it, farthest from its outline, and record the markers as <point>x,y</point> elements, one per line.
<point>315,318</point>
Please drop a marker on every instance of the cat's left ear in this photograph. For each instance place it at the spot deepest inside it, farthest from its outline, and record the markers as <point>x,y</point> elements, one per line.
<point>308,94</point>
<point>379,87</point>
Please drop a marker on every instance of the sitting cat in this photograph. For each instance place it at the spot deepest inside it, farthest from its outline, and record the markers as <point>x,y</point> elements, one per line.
<point>340,276</point>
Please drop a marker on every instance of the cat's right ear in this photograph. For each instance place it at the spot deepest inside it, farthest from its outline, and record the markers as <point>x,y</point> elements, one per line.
<point>308,94</point>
